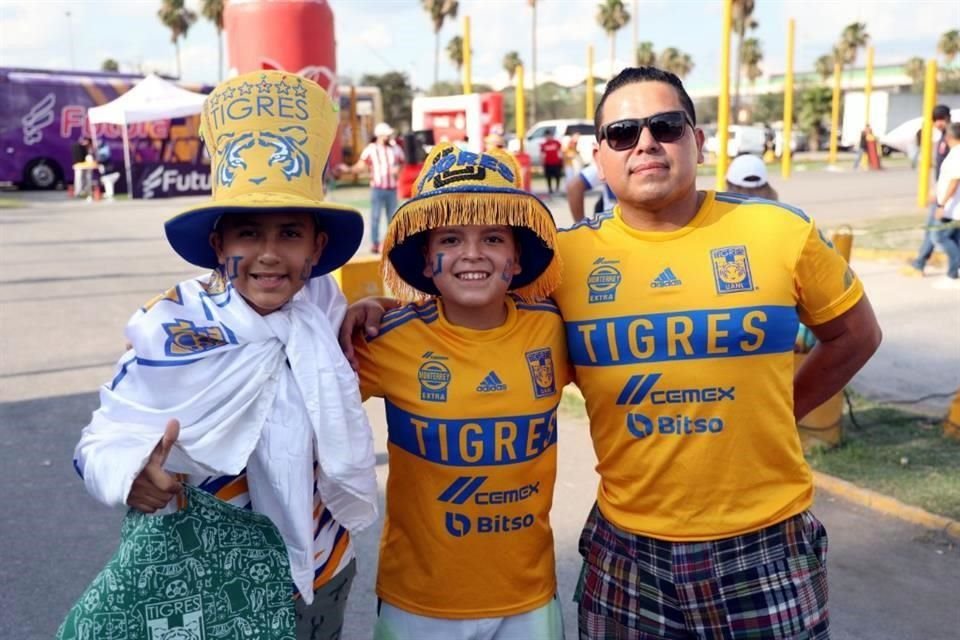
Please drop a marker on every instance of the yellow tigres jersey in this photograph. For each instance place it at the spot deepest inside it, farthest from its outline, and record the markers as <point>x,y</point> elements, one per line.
<point>472,423</point>
<point>682,343</point>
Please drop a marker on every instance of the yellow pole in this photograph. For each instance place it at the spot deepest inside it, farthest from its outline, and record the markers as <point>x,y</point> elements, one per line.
<point>521,106</point>
<point>926,139</point>
<point>591,96</point>
<point>467,81</point>
<point>786,158</point>
<point>723,111</point>
<point>834,115</point>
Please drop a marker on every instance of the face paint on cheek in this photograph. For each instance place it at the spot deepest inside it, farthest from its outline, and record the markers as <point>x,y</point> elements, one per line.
<point>507,274</point>
<point>231,266</point>
<point>438,266</point>
<point>307,268</point>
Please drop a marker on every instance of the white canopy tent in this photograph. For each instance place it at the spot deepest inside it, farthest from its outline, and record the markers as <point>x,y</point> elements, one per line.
<point>153,98</point>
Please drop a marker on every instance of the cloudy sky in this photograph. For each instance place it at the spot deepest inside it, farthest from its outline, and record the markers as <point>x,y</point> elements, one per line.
<point>375,36</point>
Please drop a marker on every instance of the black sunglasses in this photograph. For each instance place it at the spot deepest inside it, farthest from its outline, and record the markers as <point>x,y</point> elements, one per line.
<point>664,127</point>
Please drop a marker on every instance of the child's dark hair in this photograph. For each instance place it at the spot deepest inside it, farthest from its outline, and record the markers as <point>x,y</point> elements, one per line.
<point>954,130</point>
<point>631,75</point>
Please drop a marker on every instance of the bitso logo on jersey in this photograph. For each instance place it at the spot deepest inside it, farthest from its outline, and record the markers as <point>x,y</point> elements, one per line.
<point>268,134</point>
<point>464,188</point>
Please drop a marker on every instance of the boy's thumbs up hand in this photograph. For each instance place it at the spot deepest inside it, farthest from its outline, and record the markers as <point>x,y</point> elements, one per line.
<point>153,488</point>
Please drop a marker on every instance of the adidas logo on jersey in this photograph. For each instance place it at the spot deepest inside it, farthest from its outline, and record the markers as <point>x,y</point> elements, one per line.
<point>665,279</point>
<point>491,383</point>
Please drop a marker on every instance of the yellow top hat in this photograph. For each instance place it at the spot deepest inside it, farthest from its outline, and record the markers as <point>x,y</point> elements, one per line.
<point>268,134</point>
<point>458,187</point>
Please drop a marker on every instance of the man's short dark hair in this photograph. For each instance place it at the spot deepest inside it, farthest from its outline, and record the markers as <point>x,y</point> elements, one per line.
<point>631,75</point>
<point>941,112</point>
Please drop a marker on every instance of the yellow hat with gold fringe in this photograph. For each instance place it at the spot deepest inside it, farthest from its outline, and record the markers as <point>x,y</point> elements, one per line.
<point>458,187</point>
<point>268,134</point>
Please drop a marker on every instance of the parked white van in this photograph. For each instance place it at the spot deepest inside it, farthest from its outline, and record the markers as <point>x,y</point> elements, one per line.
<point>561,130</point>
<point>740,139</point>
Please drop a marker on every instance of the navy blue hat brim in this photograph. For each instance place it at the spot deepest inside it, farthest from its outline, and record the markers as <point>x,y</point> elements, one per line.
<point>189,233</point>
<point>409,260</point>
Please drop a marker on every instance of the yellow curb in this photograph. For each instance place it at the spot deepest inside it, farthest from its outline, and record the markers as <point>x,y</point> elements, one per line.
<point>898,255</point>
<point>886,504</point>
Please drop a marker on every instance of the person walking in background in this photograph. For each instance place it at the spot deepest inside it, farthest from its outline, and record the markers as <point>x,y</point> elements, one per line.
<point>947,237</point>
<point>747,175</point>
<point>941,120</point>
<point>79,151</point>
<point>572,162</point>
<point>587,180</point>
<point>383,158</point>
<point>551,152</point>
<point>862,146</point>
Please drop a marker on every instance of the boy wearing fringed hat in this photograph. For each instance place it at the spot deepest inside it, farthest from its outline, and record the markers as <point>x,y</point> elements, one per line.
<point>268,412</point>
<point>471,378</point>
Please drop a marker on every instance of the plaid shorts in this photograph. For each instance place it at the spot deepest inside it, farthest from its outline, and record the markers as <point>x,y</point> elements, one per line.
<point>767,584</point>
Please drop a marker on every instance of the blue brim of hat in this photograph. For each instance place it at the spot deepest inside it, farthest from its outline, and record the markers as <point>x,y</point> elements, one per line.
<point>408,258</point>
<point>189,232</point>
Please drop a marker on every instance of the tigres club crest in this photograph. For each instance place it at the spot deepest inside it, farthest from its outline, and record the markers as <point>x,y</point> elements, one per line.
<point>185,338</point>
<point>434,377</point>
<point>731,269</point>
<point>540,363</point>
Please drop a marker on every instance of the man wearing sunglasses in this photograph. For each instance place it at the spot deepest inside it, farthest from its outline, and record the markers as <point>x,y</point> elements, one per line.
<point>681,309</point>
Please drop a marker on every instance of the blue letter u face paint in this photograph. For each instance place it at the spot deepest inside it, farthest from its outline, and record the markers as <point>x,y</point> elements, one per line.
<point>232,262</point>
<point>507,274</point>
<point>438,267</point>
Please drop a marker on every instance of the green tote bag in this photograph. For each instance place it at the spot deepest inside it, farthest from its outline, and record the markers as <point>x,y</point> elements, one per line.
<point>211,571</point>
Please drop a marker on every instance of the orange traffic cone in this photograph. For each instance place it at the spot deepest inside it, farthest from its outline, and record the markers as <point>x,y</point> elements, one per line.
<point>96,192</point>
<point>69,190</point>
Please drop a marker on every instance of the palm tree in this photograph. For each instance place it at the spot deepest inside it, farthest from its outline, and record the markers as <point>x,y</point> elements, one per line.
<point>742,21</point>
<point>176,17</point>
<point>439,11</point>
<point>949,45</point>
<point>510,63</point>
<point>751,54</point>
<point>824,66</point>
<point>212,10</point>
<point>675,61</point>
<point>612,16</point>
<point>455,51</point>
<point>645,55</point>
<point>916,69</point>
<point>853,38</point>
<point>533,58</point>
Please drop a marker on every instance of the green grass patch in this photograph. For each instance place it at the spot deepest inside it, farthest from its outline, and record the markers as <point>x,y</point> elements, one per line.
<point>894,452</point>
<point>10,203</point>
<point>897,453</point>
<point>902,232</point>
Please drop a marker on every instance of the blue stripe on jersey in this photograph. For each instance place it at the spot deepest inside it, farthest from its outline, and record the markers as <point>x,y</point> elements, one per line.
<point>690,335</point>
<point>427,312</point>
<point>472,441</point>
<point>738,198</point>
<point>592,222</point>
<point>213,484</point>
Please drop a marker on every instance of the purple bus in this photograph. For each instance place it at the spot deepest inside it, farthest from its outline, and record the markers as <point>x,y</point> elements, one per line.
<point>43,112</point>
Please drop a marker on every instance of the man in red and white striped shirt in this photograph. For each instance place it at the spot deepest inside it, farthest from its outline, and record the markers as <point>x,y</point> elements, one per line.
<point>383,158</point>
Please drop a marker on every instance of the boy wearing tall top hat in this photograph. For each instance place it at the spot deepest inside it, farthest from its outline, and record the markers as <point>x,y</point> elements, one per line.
<point>268,414</point>
<point>471,376</point>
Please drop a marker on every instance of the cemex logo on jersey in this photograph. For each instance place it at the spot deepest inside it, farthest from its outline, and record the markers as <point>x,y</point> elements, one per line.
<point>163,181</point>
<point>639,387</point>
<point>466,487</point>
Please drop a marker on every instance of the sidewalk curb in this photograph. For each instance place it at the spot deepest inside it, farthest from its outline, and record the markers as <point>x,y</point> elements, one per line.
<point>897,255</point>
<point>885,504</point>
